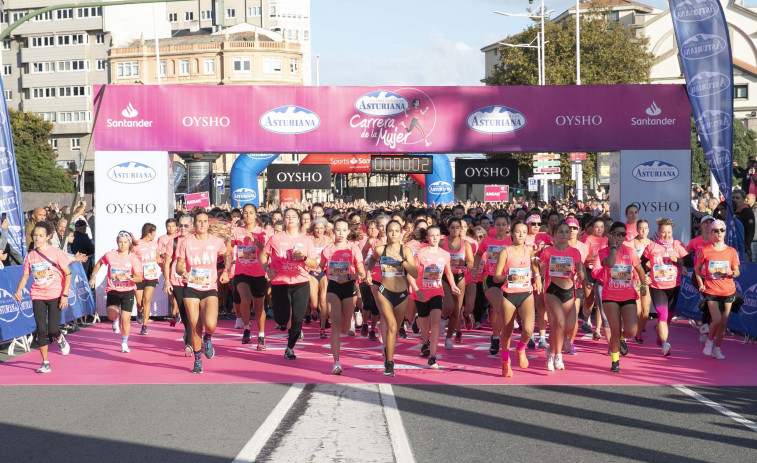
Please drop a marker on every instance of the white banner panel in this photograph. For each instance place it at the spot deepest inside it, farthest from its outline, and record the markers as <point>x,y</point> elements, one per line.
<point>132,188</point>
<point>658,183</point>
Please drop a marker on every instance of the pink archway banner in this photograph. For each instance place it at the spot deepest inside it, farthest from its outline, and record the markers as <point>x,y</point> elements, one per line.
<point>392,119</point>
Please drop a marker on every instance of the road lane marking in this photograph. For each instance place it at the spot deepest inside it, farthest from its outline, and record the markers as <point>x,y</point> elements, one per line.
<point>400,443</point>
<point>725,411</point>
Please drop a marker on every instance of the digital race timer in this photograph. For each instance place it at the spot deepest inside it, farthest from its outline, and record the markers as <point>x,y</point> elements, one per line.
<point>402,164</point>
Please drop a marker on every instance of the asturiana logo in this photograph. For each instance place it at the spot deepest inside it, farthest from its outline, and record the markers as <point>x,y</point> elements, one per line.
<point>440,188</point>
<point>708,83</point>
<point>9,308</point>
<point>750,301</point>
<point>131,173</point>
<point>496,119</point>
<point>82,288</point>
<point>381,103</point>
<point>655,171</point>
<point>290,120</point>
<point>719,157</point>
<point>243,194</point>
<point>713,121</point>
<point>129,113</point>
<point>702,46</point>
<point>261,156</point>
<point>695,10</point>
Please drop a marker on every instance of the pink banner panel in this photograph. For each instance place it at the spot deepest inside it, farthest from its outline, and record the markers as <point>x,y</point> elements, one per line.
<point>392,119</point>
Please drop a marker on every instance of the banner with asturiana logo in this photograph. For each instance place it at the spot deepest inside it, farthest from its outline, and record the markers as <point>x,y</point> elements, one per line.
<point>704,48</point>
<point>10,188</point>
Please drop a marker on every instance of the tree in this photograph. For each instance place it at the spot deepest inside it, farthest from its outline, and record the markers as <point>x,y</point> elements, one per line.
<point>610,54</point>
<point>744,148</point>
<point>34,155</point>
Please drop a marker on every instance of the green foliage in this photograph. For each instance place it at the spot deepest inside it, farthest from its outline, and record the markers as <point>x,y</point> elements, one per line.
<point>744,148</point>
<point>35,157</point>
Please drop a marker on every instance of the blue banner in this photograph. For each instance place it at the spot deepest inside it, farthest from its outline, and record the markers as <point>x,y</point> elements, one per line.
<point>704,48</point>
<point>10,188</point>
<point>439,187</point>
<point>17,318</point>
<point>244,178</point>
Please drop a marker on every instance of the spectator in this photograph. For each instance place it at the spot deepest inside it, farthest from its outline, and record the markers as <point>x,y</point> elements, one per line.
<point>745,214</point>
<point>748,176</point>
<point>8,254</point>
<point>82,244</point>
<point>751,201</point>
<point>38,215</point>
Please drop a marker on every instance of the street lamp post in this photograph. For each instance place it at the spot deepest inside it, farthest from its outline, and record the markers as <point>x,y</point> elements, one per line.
<point>579,166</point>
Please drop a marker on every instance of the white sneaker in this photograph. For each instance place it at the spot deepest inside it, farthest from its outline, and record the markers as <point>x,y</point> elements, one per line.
<point>44,368</point>
<point>558,362</point>
<point>337,370</point>
<point>64,347</point>
<point>708,348</point>
<point>358,318</point>
<point>448,344</point>
<point>717,354</point>
<point>550,362</point>
<point>124,348</point>
<point>516,325</point>
<point>704,329</point>
<point>116,326</point>
<point>238,324</point>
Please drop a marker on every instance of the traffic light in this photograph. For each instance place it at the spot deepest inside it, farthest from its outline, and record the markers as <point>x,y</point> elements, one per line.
<point>517,191</point>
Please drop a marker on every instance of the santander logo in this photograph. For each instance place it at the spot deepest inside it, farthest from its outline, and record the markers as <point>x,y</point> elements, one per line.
<point>129,112</point>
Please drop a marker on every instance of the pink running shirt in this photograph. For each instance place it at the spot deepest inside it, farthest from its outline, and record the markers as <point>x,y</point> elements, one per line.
<point>47,272</point>
<point>200,261</point>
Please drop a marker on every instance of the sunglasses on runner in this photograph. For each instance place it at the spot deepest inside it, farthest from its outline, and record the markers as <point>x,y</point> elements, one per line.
<point>718,230</point>
<point>535,224</point>
<point>183,225</point>
<point>620,234</point>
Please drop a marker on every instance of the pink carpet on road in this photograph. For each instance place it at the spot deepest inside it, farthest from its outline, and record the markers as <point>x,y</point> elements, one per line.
<point>158,358</point>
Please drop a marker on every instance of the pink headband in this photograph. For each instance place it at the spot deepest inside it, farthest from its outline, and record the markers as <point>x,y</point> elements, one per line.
<point>717,223</point>
<point>533,218</point>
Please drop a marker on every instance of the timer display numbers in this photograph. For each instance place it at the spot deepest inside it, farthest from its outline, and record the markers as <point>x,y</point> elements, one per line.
<point>402,164</point>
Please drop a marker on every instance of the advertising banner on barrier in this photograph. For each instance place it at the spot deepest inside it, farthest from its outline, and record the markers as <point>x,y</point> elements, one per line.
<point>17,318</point>
<point>293,176</point>
<point>10,188</point>
<point>486,171</point>
<point>201,199</point>
<point>392,119</point>
<point>341,163</point>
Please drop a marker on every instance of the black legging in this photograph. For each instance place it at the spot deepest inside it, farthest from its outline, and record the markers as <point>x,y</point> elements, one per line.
<point>294,297</point>
<point>178,294</point>
<point>478,308</point>
<point>47,316</point>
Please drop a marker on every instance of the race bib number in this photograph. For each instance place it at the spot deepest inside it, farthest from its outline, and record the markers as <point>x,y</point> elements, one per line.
<point>151,271</point>
<point>519,278</point>
<point>42,273</point>
<point>432,275</point>
<point>621,275</point>
<point>247,254</point>
<point>492,254</point>
<point>390,267</point>
<point>718,269</point>
<point>664,272</point>
<point>560,266</point>
<point>120,276</point>
<point>457,262</point>
<point>338,269</point>
<point>199,278</point>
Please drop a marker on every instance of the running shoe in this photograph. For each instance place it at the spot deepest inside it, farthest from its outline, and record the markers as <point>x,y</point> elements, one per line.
<point>615,367</point>
<point>246,337</point>
<point>140,318</point>
<point>261,343</point>
<point>372,335</point>
<point>198,366</point>
<point>522,358</point>
<point>364,330</point>
<point>351,332</point>
<point>239,324</point>
<point>703,337</point>
<point>493,346</point>
<point>597,335</point>
<point>188,350</point>
<point>638,339</point>
<point>44,368</point>
<point>458,336</point>
<point>531,344</point>
<point>550,362</point>
<point>542,344</point>
<point>389,369</point>
<point>124,348</point>
<point>328,325</point>
<point>507,372</point>
<point>416,329</point>
<point>448,344</point>
<point>337,370</point>
<point>323,334</point>
<point>623,347</point>
<point>559,365</point>
<point>516,325</point>
<point>477,326</point>
<point>665,349</point>
<point>704,329</point>
<point>210,352</point>
<point>289,354</point>
<point>566,345</point>
<point>402,334</point>
<point>435,366</point>
<point>301,336</point>
<point>358,318</point>
<point>306,321</point>
<point>708,345</point>
<point>314,315</point>
<point>116,326</point>
<point>177,317</point>
<point>573,350</point>
<point>143,331</point>
<point>586,328</point>
<point>425,349</point>
<point>64,347</point>
<point>717,353</point>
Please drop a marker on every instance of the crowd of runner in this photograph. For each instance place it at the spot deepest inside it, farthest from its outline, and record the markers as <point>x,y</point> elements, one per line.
<point>383,270</point>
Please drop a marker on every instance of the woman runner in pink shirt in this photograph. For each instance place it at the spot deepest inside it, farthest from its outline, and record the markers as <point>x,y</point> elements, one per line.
<point>640,243</point>
<point>173,284</point>
<point>461,258</point>
<point>146,249</point>
<point>48,266</point>
<point>172,231</point>
<point>124,271</point>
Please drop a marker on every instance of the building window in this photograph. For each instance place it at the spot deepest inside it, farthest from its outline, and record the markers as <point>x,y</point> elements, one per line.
<point>46,16</point>
<point>65,14</point>
<point>740,92</point>
<point>72,39</point>
<point>254,11</point>
<point>44,92</point>
<point>614,16</point>
<point>73,65</point>
<point>272,11</point>
<point>74,91</point>
<point>8,95</point>
<point>184,67</point>
<point>7,69</point>
<point>74,116</point>
<point>306,35</point>
<point>100,39</point>
<point>242,64</point>
<point>293,65</point>
<point>127,69</point>
<point>91,12</point>
<point>231,13</point>
<point>162,68</point>
<point>43,67</point>
<point>206,15</point>
<point>53,143</point>
<point>49,117</point>
<point>209,66</point>
<point>271,65</point>
<point>6,17</point>
<point>100,65</point>
<point>189,16</point>
<point>18,15</point>
<point>173,17</point>
<point>7,44</point>
<point>43,41</point>
<point>75,144</point>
